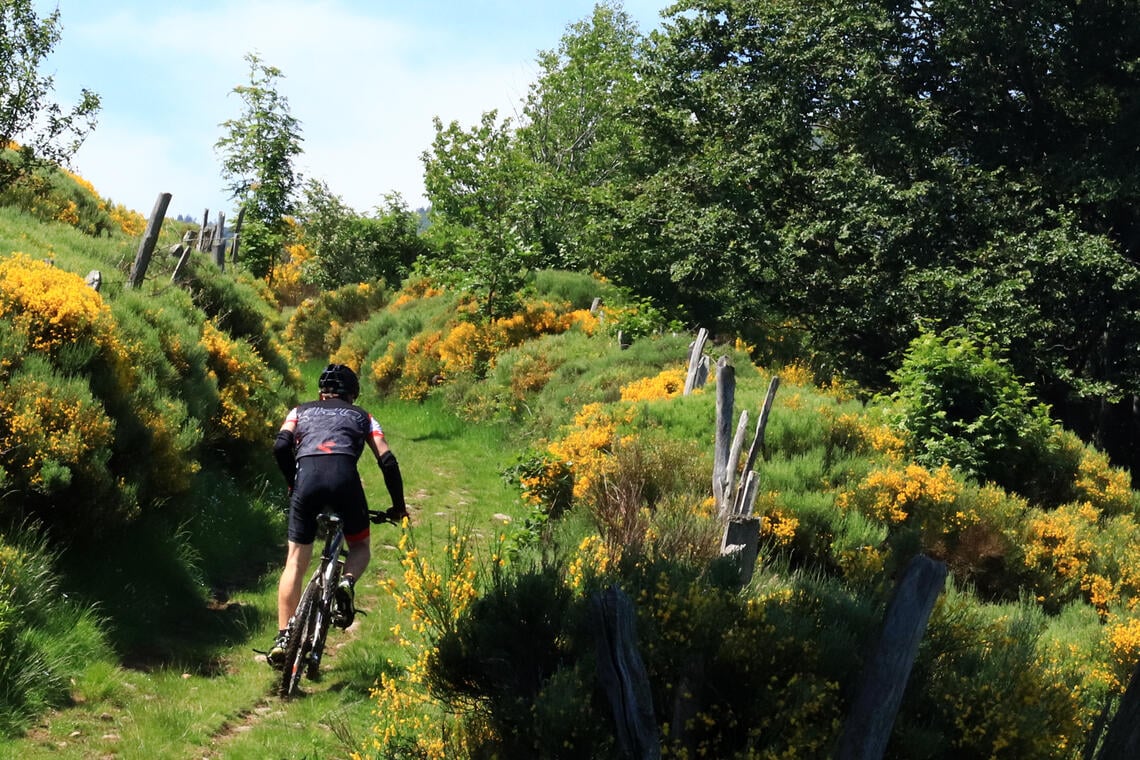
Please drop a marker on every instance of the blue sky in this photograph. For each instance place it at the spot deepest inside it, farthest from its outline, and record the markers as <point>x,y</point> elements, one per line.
<point>364,79</point>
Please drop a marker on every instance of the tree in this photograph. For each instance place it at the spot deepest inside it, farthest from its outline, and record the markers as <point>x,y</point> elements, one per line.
<point>258,150</point>
<point>39,131</point>
<point>349,247</point>
<point>577,133</point>
<point>866,171</point>
<point>477,181</point>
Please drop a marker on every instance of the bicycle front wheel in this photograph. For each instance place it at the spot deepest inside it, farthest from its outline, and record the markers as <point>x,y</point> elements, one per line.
<point>299,643</point>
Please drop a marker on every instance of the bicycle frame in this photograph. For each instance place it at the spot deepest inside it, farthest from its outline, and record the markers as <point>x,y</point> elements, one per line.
<point>309,625</point>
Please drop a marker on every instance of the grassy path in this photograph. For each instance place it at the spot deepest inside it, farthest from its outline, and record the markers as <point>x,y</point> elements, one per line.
<point>224,707</point>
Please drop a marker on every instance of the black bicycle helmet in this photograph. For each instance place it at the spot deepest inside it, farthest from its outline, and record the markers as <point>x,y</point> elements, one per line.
<point>339,380</point>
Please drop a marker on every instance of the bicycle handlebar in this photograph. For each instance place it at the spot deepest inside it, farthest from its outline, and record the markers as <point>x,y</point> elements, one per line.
<point>377,517</point>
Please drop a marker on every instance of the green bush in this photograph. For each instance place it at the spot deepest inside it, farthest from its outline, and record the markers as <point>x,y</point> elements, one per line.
<point>576,288</point>
<point>316,327</point>
<point>242,307</point>
<point>982,688</point>
<point>961,404</point>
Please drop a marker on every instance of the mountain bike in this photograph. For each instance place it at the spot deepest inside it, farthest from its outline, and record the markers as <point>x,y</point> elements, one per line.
<point>309,626</point>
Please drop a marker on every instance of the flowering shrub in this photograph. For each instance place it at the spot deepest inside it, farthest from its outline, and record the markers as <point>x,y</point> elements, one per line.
<point>288,284</point>
<point>585,448</point>
<point>53,432</point>
<point>1076,552</point>
<point>912,493</point>
<point>317,325</point>
<point>409,720</point>
<point>990,687</point>
<point>1108,488</point>
<point>667,384</point>
<point>54,308</point>
<point>248,408</point>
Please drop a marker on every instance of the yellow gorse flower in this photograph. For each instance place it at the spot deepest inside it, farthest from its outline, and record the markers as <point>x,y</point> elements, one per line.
<point>51,306</point>
<point>667,384</point>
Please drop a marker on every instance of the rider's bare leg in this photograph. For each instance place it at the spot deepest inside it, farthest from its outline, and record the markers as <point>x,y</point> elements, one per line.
<point>289,588</point>
<point>359,554</point>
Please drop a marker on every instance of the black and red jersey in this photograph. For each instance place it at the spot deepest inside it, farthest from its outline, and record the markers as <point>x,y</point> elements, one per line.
<point>331,426</point>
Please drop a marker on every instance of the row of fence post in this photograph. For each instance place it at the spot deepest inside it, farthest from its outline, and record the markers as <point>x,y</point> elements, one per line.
<point>211,239</point>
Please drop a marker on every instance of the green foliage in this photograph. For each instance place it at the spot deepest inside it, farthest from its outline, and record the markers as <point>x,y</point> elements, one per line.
<point>961,404</point>
<point>42,132</point>
<point>476,179</point>
<point>53,195</point>
<point>982,667</point>
<point>47,639</point>
<point>317,326</point>
<point>348,247</point>
<point>243,307</point>
<point>576,288</point>
<point>576,132</point>
<point>508,656</point>
<point>258,150</point>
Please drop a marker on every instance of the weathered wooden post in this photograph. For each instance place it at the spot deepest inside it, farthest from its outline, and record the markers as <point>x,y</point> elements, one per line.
<point>623,677</point>
<point>734,461</point>
<point>695,355</point>
<point>742,541</point>
<point>150,237</point>
<point>757,442</point>
<point>725,392</point>
<point>219,245</point>
<point>202,230</point>
<point>1122,742</point>
<point>237,236</point>
<point>867,728</point>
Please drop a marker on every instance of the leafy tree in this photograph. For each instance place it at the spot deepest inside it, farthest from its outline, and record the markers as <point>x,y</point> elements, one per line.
<point>349,247</point>
<point>34,130</point>
<point>258,150</point>
<point>576,131</point>
<point>477,181</point>
<point>865,171</point>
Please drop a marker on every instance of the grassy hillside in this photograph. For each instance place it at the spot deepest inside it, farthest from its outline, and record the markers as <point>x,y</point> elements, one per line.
<point>544,463</point>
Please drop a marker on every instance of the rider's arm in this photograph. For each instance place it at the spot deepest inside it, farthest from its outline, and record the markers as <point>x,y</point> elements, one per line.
<point>283,451</point>
<point>393,481</point>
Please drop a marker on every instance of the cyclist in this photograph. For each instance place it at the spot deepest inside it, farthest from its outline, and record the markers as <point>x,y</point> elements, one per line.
<point>317,450</point>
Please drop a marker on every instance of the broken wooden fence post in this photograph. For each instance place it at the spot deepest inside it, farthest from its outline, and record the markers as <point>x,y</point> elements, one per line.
<point>725,392</point>
<point>696,352</point>
<point>202,229</point>
<point>742,541</point>
<point>757,443</point>
<point>237,236</point>
<point>734,461</point>
<point>150,237</point>
<point>623,677</point>
<point>867,728</point>
<point>220,242</point>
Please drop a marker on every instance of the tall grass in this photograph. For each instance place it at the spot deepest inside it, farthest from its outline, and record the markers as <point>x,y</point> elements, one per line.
<point>47,639</point>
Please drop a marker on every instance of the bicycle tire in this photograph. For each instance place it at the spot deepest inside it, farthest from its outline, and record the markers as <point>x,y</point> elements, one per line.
<point>324,612</point>
<point>295,649</point>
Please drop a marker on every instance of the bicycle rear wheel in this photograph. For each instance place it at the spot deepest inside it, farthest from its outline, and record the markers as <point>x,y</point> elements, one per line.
<point>299,642</point>
<point>322,615</point>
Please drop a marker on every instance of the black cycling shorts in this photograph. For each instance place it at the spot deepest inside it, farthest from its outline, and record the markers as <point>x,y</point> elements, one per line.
<point>331,483</point>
